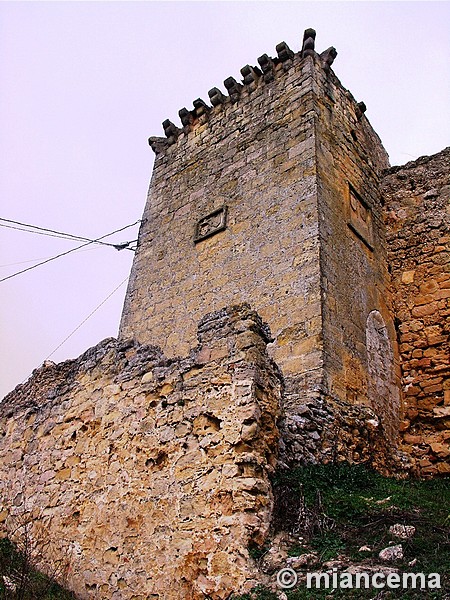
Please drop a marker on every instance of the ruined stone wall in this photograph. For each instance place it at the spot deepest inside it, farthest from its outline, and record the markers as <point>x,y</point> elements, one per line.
<point>417,218</point>
<point>151,474</point>
<point>151,471</point>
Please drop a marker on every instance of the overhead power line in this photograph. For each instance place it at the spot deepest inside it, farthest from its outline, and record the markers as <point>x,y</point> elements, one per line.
<point>60,234</point>
<point>62,237</point>
<point>84,321</point>
<point>71,250</point>
<point>87,318</point>
<point>34,260</point>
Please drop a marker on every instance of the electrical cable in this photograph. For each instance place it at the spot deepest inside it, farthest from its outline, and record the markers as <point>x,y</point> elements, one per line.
<point>88,317</point>
<point>58,234</point>
<point>63,237</point>
<point>33,260</point>
<point>69,251</point>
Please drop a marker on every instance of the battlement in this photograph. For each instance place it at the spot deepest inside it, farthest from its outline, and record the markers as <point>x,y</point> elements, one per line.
<point>270,69</point>
<point>257,332</point>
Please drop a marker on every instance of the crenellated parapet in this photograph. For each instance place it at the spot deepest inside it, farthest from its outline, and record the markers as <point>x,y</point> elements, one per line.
<point>287,305</point>
<point>269,70</point>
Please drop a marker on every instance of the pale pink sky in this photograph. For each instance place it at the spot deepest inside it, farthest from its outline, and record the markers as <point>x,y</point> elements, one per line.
<point>84,84</point>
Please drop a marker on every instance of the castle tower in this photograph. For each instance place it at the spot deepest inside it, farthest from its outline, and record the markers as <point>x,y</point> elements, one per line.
<point>270,196</point>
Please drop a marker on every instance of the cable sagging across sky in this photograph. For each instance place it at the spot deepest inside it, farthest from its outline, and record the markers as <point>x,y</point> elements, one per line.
<point>17,225</point>
<point>74,250</point>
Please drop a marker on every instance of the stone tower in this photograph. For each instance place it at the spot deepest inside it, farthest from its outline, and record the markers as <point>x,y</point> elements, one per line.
<point>270,196</point>
<point>264,213</point>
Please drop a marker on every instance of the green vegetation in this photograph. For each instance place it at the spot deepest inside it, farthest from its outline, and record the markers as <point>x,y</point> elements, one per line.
<point>337,509</point>
<point>20,581</point>
<point>258,593</point>
<point>256,552</point>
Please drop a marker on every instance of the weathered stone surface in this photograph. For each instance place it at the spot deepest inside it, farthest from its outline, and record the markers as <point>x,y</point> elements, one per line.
<point>153,470</point>
<point>417,196</point>
<point>392,553</point>
<point>296,173</point>
<point>160,485</point>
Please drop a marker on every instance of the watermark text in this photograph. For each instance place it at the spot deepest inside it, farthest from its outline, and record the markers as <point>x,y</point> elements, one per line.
<point>288,578</point>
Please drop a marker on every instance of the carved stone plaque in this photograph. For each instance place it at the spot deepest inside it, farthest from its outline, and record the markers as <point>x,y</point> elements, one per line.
<point>211,224</point>
<point>360,218</point>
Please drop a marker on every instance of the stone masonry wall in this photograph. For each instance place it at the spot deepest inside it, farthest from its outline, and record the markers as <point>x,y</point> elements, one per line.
<point>417,199</point>
<point>147,475</point>
<point>251,201</point>
<point>151,474</point>
<point>253,152</point>
<point>271,196</point>
<point>360,365</point>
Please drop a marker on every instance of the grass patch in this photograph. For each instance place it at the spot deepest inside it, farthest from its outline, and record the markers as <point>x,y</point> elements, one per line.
<point>258,593</point>
<point>328,544</point>
<point>263,593</point>
<point>339,508</point>
<point>19,580</point>
<point>359,506</point>
<point>256,552</point>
